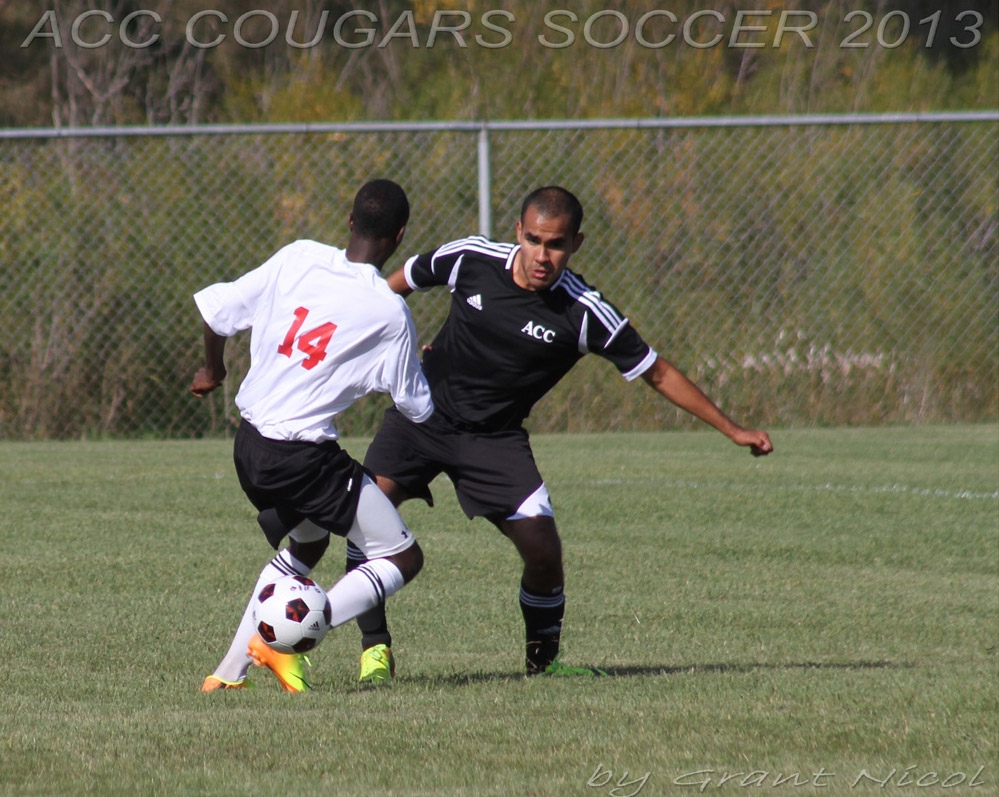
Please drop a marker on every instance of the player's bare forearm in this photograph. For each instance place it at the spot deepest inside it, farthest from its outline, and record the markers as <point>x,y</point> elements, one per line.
<point>397,282</point>
<point>669,382</point>
<point>213,373</point>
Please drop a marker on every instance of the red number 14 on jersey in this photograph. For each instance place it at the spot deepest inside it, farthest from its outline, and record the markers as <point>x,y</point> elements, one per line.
<point>312,343</point>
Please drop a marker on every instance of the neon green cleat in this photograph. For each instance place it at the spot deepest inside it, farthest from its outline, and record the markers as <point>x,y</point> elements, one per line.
<point>377,665</point>
<point>214,684</point>
<point>286,666</point>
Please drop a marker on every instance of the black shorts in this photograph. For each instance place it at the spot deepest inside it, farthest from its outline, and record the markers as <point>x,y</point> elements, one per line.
<point>289,481</point>
<point>493,472</point>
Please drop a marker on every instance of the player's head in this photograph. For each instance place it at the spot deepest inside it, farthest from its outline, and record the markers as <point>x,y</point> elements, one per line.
<point>380,212</point>
<point>548,234</point>
<point>552,201</point>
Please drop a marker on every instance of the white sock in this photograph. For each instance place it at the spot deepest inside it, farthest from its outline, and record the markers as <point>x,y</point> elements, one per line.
<point>363,588</point>
<point>236,662</point>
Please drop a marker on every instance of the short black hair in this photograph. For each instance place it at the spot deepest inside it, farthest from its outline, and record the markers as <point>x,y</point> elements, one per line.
<point>380,210</point>
<point>552,201</point>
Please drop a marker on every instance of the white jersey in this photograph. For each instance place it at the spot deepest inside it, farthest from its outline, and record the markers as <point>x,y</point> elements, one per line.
<point>324,333</point>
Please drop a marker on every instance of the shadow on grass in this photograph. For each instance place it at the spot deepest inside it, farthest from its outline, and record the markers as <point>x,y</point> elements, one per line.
<point>467,679</point>
<point>693,669</point>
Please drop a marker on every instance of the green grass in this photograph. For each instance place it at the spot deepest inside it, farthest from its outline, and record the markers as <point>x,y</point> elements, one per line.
<point>830,612</point>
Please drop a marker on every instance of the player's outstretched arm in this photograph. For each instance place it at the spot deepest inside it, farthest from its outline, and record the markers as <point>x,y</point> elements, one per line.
<point>213,373</point>
<point>668,381</point>
<point>397,282</point>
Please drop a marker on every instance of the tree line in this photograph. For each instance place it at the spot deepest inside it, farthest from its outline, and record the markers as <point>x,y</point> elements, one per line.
<point>126,62</point>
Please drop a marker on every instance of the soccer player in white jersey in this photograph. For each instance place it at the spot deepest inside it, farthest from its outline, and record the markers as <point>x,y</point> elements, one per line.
<point>519,320</point>
<point>326,330</point>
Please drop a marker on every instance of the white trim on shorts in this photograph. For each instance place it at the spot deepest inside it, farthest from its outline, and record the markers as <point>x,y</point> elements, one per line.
<point>537,504</point>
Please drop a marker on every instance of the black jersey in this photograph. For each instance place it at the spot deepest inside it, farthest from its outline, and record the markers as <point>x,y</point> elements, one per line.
<point>503,347</point>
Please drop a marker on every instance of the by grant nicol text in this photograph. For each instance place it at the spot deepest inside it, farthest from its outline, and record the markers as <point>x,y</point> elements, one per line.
<point>911,777</point>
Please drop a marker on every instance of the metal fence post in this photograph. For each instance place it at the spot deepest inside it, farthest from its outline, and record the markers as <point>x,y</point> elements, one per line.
<point>485,179</point>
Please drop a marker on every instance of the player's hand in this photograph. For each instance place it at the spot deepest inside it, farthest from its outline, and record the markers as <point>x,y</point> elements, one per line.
<point>758,442</point>
<point>761,451</point>
<point>204,383</point>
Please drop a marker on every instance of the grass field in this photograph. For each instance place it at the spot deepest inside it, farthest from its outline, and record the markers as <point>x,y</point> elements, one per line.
<point>824,621</point>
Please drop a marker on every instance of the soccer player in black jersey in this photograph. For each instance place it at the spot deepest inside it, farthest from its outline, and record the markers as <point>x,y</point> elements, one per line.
<point>519,320</point>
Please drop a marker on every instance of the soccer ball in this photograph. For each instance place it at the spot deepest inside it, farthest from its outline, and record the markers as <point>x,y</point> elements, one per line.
<point>292,614</point>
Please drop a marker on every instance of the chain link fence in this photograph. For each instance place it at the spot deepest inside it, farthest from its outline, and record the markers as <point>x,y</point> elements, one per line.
<point>802,270</point>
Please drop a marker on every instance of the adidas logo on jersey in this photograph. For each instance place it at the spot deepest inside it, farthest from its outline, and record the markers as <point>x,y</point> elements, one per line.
<point>539,332</point>
<point>475,301</point>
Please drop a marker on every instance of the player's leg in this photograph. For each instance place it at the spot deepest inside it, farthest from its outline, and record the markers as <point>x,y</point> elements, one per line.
<point>297,559</point>
<point>366,571</point>
<point>266,469</point>
<point>497,478</point>
<point>402,452</point>
<point>393,557</point>
<point>307,544</point>
<point>542,600</point>
<point>374,623</point>
<point>394,491</point>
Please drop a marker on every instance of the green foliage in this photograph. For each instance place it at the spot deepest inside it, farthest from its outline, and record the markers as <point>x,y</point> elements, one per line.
<point>741,287</point>
<point>832,606</point>
<point>824,283</point>
<point>804,275</point>
<point>95,332</point>
<point>506,59</point>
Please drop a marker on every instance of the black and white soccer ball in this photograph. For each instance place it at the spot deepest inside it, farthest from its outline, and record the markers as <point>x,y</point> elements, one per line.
<point>292,614</point>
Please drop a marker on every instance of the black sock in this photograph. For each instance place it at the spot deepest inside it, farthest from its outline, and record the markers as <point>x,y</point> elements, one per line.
<point>543,626</point>
<point>373,623</point>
